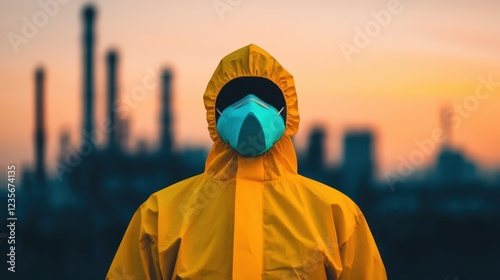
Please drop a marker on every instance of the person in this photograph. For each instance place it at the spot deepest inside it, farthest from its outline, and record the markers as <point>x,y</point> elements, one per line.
<point>249,215</point>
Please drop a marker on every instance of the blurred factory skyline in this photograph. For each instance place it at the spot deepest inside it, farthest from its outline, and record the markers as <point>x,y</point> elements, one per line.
<point>400,104</point>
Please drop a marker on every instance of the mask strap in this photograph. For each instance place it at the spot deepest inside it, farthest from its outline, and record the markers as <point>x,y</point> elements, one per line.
<point>281,110</point>
<point>220,111</point>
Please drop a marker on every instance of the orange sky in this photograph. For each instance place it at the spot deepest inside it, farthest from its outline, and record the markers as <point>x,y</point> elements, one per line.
<point>426,54</point>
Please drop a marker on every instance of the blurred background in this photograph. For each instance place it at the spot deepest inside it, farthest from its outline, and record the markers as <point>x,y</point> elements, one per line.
<point>101,105</point>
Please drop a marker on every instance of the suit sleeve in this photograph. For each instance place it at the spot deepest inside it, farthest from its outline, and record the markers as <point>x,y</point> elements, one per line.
<point>360,256</point>
<point>137,255</point>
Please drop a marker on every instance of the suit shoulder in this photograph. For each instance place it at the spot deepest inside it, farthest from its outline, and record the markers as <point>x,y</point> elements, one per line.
<point>329,194</point>
<point>173,192</point>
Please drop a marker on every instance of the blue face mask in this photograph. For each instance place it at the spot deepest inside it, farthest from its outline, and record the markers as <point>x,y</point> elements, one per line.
<point>250,126</point>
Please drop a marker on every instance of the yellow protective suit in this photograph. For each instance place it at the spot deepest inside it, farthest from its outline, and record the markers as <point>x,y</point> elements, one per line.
<point>248,218</point>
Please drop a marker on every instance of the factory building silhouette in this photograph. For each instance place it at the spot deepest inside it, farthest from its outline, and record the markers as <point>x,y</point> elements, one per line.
<point>80,205</point>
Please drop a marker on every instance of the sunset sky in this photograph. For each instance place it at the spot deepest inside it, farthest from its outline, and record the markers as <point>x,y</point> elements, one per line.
<point>426,54</point>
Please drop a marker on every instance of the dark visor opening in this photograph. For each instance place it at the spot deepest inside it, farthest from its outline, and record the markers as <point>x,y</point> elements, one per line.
<point>239,87</point>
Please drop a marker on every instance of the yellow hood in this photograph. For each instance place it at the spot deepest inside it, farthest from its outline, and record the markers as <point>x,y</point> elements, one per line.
<point>252,61</point>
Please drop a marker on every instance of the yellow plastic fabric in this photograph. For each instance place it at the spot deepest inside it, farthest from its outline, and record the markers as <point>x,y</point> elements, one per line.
<point>248,218</point>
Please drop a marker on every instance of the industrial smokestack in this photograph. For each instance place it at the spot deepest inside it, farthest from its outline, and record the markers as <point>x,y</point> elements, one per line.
<point>166,116</point>
<point>39,126</point>
<point>112,60</point>
<point>88,70</point>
